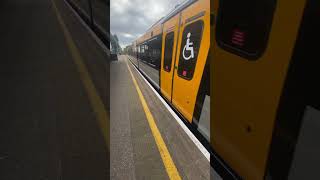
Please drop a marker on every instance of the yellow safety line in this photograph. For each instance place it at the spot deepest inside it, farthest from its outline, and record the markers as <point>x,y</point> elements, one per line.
<point>165,155</point>
<point>94,99</point>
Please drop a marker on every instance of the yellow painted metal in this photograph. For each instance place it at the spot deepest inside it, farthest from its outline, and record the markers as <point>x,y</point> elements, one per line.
<point>185,91</point>
<point>166,77</point>
<point>246,94</point>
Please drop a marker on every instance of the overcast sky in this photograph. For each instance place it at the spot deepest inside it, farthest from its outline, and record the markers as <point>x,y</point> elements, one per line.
<point>129,19</point>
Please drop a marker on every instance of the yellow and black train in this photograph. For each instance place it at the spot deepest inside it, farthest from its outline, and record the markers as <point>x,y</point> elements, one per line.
<point>263,70</point>
<point>172,54</point>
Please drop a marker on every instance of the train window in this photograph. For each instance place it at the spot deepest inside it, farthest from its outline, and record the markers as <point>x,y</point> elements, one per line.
<point>168,51</point>
<point>243,26</point>
<point>155,50</point>
<point>190,45</point>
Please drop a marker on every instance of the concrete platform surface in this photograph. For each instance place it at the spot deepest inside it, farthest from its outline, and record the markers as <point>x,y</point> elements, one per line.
<point>48,127</point>
<point>134,153</point>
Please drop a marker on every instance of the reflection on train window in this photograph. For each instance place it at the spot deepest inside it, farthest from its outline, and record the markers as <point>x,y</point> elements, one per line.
<point>189,50</point>
<point>139,51</point>
<point>246,33</point>
<point>155,51</point>
<point>168,51</point>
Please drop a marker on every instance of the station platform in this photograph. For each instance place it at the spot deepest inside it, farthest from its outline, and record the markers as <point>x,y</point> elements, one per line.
<point>135,151</point>
<point>54,94</point>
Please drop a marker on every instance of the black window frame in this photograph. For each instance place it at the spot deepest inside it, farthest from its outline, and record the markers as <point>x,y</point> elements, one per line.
<point>181,50</point>
<point>261,42</point>
<point>155,47</point>
<point>165,63</point>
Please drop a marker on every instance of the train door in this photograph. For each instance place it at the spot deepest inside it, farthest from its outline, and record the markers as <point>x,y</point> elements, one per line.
<point>169,44</point>
<point>193,47</point>
<point>252,50</point>
<point>295,147</point>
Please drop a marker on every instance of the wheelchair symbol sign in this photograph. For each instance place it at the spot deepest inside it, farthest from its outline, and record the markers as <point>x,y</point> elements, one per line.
<point>188,47</point>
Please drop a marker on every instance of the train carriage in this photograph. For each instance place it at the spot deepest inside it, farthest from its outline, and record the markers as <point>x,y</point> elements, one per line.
<point>261,73</point>
<point>265,109</point>
<point>172,54</point>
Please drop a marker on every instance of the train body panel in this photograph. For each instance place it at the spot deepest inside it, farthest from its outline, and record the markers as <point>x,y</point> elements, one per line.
<point>195,29</point>
<point>247,83</point>
<point>169,45</point>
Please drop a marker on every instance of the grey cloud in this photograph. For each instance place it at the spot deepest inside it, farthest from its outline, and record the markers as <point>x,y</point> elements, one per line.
<point>131,18</point>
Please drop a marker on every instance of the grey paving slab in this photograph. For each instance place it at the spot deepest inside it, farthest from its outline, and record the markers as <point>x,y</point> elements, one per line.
<point>134,154</point>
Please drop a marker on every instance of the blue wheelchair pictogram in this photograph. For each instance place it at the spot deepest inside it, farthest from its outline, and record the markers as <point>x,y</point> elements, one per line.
<point>188,47</point>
